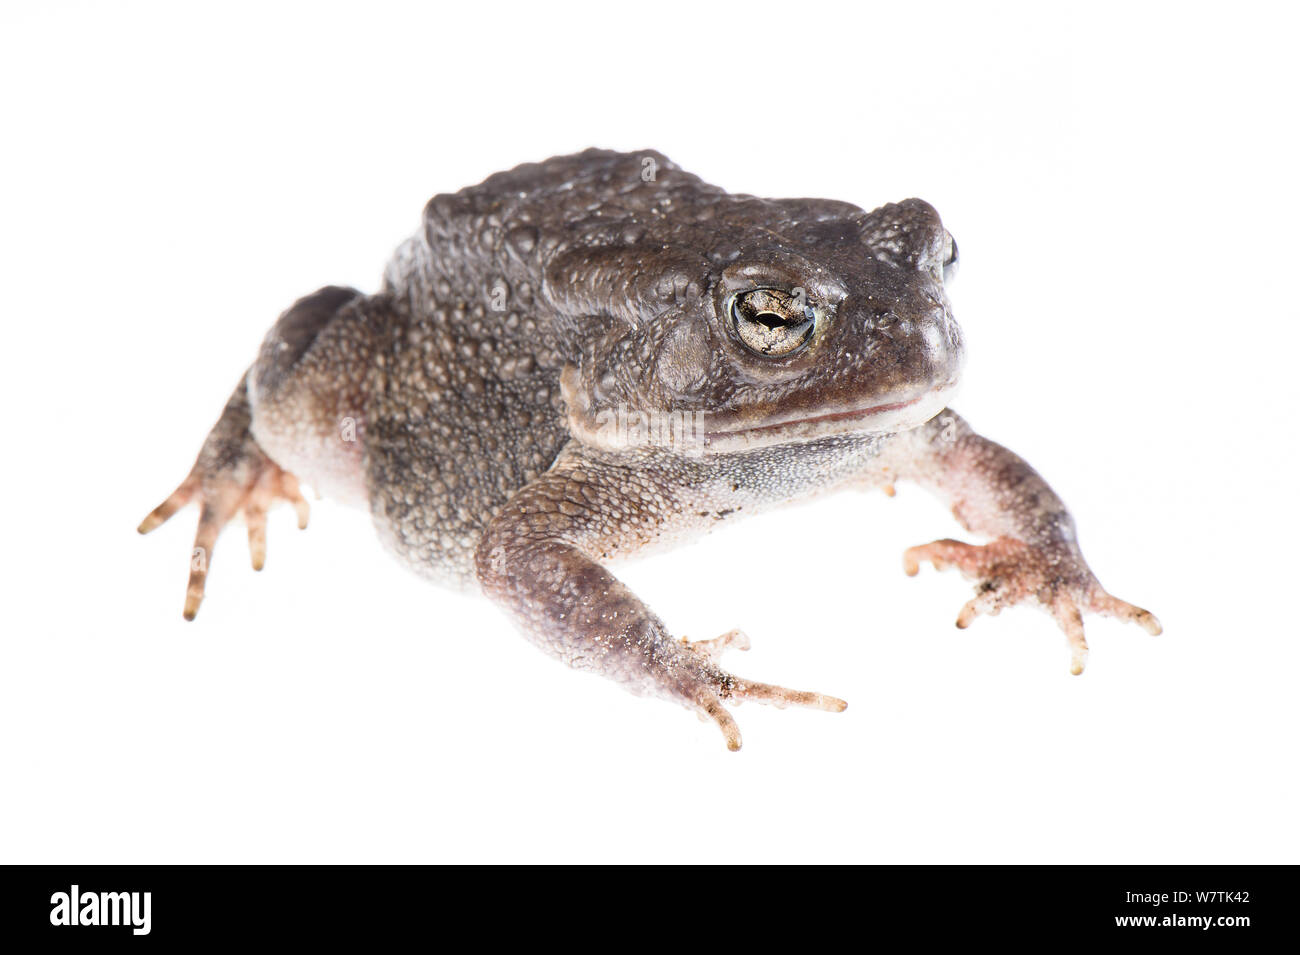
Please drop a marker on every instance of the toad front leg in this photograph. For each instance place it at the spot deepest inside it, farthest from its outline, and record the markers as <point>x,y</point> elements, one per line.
<point>1033,555</point>
<point>540,559</point>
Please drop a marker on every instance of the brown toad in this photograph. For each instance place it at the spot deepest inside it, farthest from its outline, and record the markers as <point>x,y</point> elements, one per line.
<point>582,358</point>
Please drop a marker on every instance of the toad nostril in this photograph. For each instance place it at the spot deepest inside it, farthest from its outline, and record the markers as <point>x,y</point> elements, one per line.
<point>880,318</point>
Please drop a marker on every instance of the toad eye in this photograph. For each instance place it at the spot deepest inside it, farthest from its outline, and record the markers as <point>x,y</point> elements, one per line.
<point>772,322</point>
<point>950,259</point>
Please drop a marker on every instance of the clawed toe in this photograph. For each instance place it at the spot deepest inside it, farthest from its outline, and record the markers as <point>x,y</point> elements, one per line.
<point>255,518</point>
<point>713,709</point>
<point>175,501</point>
<point>713,649</point>
<point>1103,603</point>
<point>988,602</point>
<point>971,559</point>
<point>781,697</point>
<point>732,689</point>
<point>210,524</point>
<point>1070,620</point>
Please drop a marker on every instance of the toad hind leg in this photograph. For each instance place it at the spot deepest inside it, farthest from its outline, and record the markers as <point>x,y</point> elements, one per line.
<point>284,414</point>
<point>231,475</point>
<point>539,559</point>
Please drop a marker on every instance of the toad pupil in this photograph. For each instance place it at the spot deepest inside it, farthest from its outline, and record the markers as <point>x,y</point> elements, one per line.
<point>771,322</point>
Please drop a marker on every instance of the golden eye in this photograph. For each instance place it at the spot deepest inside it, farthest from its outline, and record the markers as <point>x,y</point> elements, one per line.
<point>772,322</point>
<point>949,258</point>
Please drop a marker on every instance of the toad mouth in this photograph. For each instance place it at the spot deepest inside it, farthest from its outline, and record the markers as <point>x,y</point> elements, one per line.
<point>821,424</point>
<point>871,412</point>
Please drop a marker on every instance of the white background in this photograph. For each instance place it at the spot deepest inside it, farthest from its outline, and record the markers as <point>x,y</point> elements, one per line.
<point>1123,188</point>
